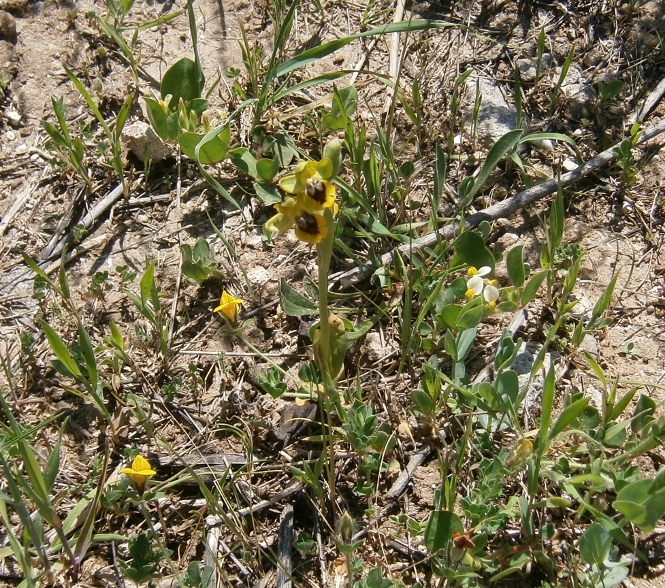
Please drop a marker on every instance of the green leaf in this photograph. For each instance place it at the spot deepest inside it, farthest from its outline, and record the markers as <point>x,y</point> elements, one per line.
<point>494,156</point>
<point>244,161</point>
<point>440,528</point>
<point>211,148</point>
<point>470,315</point>
<point>450,345</point>
<point>532,286</point>
<point>88,351</point>
<point>515,266</point>
<point>470,249</point>
<point>567,417</point>
<point>147,283</point>
<point>641,506</point>
<point>546,412</point>
<point>202,251</point>
<point>268,193</point>
<point>507,388</point>
<point>194,271</point>
<point>595,544</point>
<point>60,350</point>
<point>267,169</point>
<point>465,342</point>
<point>449,314</point>
<point>556,220</point>
<point>643,413</point>
<point>293,303</point>
<point>320,51</point>
<point>604,301</point>
<point>157,118</point>
<point>182,80</point>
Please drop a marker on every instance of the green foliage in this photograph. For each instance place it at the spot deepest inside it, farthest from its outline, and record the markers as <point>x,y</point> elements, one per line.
<point>198,262</point>
<point>145,554</point>
<point>194,577</point>
<point>272,382</point>
<point>68,149</point>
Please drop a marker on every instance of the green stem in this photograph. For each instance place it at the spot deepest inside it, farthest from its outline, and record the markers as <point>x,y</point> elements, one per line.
<point>330,398</point>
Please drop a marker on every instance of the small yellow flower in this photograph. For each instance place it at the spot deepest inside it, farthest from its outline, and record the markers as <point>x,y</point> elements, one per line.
<point>310,226</point>
<point>228,306</point>
<point>139,473</point>
<point>310,182</point>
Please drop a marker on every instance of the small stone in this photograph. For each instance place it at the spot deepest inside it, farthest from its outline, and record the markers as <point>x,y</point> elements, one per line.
<point>592,58</point>
<point>338,59</point>
<point>142,218</point>
<point>144,143</point>
<point>589,344</point>
<point>10,135</point>
<point>651,309</point>
<point>373,347</point>
<point>13,118</point>
<point>569,165</point>
<point>545,146</point>
<point>16,6</point>
<point>495,117</point>
<point>255,241</point>
<point>578,133</point>
<point>258,275</point>
<point>7,27</point>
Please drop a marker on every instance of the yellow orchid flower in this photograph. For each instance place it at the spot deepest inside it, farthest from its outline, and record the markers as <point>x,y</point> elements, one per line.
<point>139,473</point>
<point>228,307</point>
<point>310,226</point>
<point>310,182</point>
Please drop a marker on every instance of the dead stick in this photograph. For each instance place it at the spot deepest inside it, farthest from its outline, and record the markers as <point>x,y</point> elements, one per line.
<point>284,548</point>
<point>496,211</point>
<point>89,219</point>
<point>405,475</point>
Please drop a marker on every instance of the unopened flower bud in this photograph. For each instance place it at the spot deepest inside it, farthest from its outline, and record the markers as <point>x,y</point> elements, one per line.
<point>333,152</point>
<point>345,527</point>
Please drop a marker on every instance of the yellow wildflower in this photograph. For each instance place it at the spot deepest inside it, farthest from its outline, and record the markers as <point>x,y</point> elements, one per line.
<point>139,473</point>
<point>310,226</point>
<point>310,183</point>
<point>228,306</point>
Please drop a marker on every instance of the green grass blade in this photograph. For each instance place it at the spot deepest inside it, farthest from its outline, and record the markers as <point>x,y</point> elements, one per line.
<point>91,103</point>
<point>316,53</point>
<point>494,156</point>
<point>60,349</point>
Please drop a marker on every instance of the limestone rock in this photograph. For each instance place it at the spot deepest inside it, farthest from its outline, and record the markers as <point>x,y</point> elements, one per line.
<point>144,143</point>
<point>496,116</point>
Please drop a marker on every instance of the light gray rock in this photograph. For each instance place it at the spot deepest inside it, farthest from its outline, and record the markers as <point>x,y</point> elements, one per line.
<point>142,141</point>
<point>576,90</point>
<point>496,116</point>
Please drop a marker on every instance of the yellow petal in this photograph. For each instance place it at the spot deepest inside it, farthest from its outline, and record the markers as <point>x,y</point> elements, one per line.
<point>280,223</point>
<point>325,168</point>
<point>290,184</point>
<point>140,464</point>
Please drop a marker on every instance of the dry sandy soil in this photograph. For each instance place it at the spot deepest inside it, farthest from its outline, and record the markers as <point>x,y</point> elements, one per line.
<point>620,228</point>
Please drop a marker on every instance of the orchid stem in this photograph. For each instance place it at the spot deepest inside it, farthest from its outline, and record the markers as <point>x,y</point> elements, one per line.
<point>330,397</point>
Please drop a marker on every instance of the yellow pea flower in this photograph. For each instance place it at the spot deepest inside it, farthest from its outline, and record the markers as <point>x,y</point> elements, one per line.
<point>228,307</point>
<point>139,473</point>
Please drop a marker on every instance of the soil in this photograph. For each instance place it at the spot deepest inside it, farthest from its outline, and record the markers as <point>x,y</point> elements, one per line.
<point>218,407</point>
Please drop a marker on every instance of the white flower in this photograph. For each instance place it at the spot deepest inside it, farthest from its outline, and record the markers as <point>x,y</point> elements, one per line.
<point>477,285</point>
